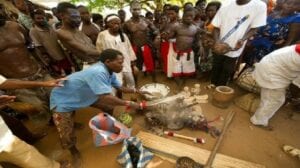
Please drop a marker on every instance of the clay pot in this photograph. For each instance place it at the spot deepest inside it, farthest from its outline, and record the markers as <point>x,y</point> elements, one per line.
<point>222,96</point>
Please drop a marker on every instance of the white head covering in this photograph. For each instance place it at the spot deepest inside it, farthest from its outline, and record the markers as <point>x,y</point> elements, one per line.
<point>109,18</point>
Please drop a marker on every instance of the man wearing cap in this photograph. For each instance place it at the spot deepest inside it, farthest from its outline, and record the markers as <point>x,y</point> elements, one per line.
<point>114,38</point>
<point>274,73</point>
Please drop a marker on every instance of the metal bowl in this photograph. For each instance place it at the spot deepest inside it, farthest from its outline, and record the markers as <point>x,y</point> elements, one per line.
<point>157,90</point>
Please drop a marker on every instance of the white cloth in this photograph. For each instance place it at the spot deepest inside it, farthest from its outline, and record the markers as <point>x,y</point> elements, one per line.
<point>170,58</point>
<point>183,66</point>
<point>6,135</point>
<point>105,41</point>
<point>2,79</point>
<point>24,155</point>
<point>228,16</point>
<point>271,101</point>
<point>278,69</point>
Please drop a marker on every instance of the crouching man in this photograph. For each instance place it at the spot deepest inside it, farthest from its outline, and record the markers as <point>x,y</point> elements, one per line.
<point>89,87</point>
<point>274,73</point>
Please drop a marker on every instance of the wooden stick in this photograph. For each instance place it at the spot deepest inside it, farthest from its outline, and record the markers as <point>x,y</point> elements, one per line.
<point>172,150</point>
<point>214,151</point>
<point>196,140</point>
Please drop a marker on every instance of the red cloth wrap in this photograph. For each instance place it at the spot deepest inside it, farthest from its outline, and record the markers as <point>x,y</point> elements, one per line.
<point>298,48</point>
<point>147,57</point>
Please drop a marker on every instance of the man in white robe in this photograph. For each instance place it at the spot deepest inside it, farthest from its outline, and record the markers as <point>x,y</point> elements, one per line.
<point>274,73</point>
<point>115,39</point>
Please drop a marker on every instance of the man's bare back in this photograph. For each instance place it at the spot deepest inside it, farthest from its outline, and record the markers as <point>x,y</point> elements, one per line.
<point>15,60</point>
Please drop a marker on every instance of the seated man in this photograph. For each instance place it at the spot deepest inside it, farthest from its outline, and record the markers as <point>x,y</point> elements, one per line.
<point>89,87</point>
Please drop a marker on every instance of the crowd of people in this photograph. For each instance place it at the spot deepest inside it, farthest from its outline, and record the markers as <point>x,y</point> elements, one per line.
<point>98,54</point>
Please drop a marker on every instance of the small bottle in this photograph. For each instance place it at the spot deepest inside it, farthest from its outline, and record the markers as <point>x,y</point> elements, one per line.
<point>186,92</point>
<point>197,89</point>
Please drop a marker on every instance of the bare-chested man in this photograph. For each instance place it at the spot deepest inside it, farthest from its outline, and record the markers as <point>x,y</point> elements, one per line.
<point>47,47</point>
<point>172,13</point>
<point>72,39</point>
<point>98,20</point>
<point>139,31</point>
<point>186,34</point>
<point>87,26</point>
<point>16,62</point>
<point>122,16</point>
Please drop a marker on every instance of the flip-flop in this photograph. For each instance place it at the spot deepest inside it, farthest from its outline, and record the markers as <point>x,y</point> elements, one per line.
<point>267,128</point>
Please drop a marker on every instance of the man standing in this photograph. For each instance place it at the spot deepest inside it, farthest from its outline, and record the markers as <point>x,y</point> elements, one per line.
<point>187,35</point>
<point>139,31</point>
<point>16,62</point>
<point>274,73</point>
<point>89,87</point>
<point>122,16</point>
<point>231,31</point>
<point>24,14</point>
<point>114,38</point>
<point>98,20</point>
<point>172,13</point>
<point>87,26</point>
<point>47,46</point>
<point>75,41</point>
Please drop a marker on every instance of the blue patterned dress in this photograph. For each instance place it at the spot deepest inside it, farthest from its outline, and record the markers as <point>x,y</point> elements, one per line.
<point>267,36</point>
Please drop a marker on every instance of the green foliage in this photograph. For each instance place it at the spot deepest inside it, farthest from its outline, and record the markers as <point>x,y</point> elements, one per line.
<point>99,5</point>
<point>180,3</point>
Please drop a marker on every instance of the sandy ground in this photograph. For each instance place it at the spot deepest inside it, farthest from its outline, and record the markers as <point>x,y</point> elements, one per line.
<point>242,140</point>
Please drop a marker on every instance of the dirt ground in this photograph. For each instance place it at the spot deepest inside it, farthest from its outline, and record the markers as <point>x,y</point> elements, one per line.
<point>242,140</point>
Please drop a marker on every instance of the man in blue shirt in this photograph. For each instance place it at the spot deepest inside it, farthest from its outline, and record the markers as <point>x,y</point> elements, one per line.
<point>89,87</point>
